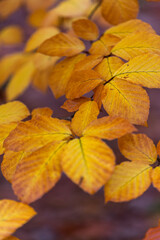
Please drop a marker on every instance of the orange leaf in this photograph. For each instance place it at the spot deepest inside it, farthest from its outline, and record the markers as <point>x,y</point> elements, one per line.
<point>118,11</point>
<point>11,35</point>
<point>156,178</point>
<point>108,128</point>
<point>158,148</point>
<point>153,233</point>
<point>88,62</point>
<point>82,82</point>
<point>129,181</point>
<point>85,29</point>
<point>73,105</point>
<point>43,173</point>
<point>61,74</point>
<point>85,115</point>
<point>138,147</point>
<point>61,45</point>
<point>12,216</point>
<point>42,111</point>
<point>88,162</point>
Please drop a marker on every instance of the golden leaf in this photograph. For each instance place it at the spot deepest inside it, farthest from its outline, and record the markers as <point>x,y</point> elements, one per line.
<point>39,131</point>
<point>73,105</point>
<point>158,148</point>
<point>61,45</point>
<point>136,44</point>
<point>85,115</point>
<point>12,238</point>
<point>13,112</point>
<point>10,162</point>
<point>61,74</point>
<point>129,181</point>
<point>108,128</point>
<point>42,111</point>
<point>127,100</point>
<point>82,82</point>
<point>156,178</point>
<point>7,7</point>
<point>39,37</point>
<point>72,8</point>
<point>20,81</point>
<point>138,147</point>
<point>39,4</point>
<point>118,11</point>
<point>11,35</point>
<point>33,178</point>
<point>12,216</point>
<point>88,62</point>
<point>36,18</point>
<point>85,29</point>
<point>88,162</point>
<point>124,29</point>
<point>143,70</point>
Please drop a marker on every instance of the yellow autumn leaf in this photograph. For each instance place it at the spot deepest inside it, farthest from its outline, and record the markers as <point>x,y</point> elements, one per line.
<point>38,37</point>
<point>36,18</point>
<point>61,74</point>
<point>5,130</point>
<point>13,112</point>
<point>38,4</point>
<point>85,115</point>
<point>73,105</point>
<point>138,147</point>
<point>42,111</point>
<point>20,81</point>
<point>10,64</point>
<point>11,35</point>
<point>143,70</point>
<point>12,216</point>
<point>40,79</point>
<point>72,8</point>
<point>108,128</point>
<point>85,29</point>
<point>98,95</point>
<point>7,7</point>
<point>108,67</point>
<point>88,62</point>
<point>39,131</point>
<point>129,181</point>
<point>61,45</point>
<point>118,11</point>
<point>43,62</point>
<point>82,82</point>
<point>10,162</point>
<point>156,178</point>
<point>124,29</point>
<point>33,178</point>
<point>136,44</point>
<point>88,162</point>
<point>127,100</point>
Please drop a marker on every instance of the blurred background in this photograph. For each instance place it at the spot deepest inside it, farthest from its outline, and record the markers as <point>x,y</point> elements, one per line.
<point>66,212</point>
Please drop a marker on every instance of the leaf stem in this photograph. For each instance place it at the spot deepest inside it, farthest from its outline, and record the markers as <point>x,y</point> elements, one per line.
<point>94,9</point>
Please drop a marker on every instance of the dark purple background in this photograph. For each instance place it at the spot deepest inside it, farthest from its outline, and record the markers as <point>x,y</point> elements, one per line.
<point>66,212</point>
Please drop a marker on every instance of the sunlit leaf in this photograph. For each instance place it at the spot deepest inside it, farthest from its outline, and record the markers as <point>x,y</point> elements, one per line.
<point>42,111</point>
<point>20,81</point>
<point>11,35</point>
<point>85,29</point>
<point>138,147</point>
<point>108,128</point>
<point>12,216</point>
<point>33,178</point>
<point>118,11</point>
<point>127,100</point>
<point>61,74</point>
<point>129,181</point>
<point>158,148</point>
<point>86,167</point>
<point>156,178</point>
<point>61,45</point>
<point>73,105</point>
<point>88,62</point>
<point>38,37</point>
<point>124,29</point>
<point>136,44</point>
<point>38,4</point>
<point>82,82</point>
<point>39,131</point>
<point>7,7</point>
<point>143,70</point>
<point>85,115</point>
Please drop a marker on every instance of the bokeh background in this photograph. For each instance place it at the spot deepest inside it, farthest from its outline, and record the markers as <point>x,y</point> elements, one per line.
<point>66,212</point>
